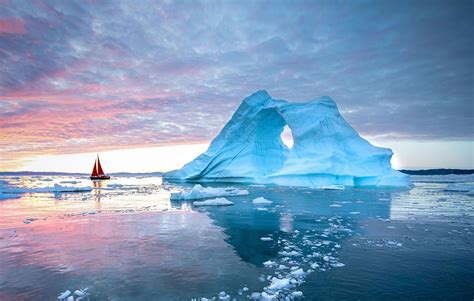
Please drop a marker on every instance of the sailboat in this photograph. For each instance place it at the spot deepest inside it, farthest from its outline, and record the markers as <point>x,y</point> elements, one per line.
<point>98,172</point>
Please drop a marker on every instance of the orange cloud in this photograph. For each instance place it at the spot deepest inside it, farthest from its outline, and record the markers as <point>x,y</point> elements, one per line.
<point>12,26</point>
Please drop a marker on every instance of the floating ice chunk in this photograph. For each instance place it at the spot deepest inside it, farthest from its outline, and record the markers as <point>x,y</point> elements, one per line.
<point>223,296</point>
<point>354,212</point>
<point>80,292</point>
<point>278,284</point>
<point>269,263</point>
<point>292,253</point>
<point>338,265</point>
<point>266,238</point>
<point>245,289</point>
<point>267,296</point>
<point>199,192</point>
<point>255,296</point>
<point>297,294</point>
<point>61,188</point>
<point>214,202</point>
<point>70,182</point>
<point>64,295</point>
<point>261,201</point>
<point>298,273</point>
<point>335,205</point>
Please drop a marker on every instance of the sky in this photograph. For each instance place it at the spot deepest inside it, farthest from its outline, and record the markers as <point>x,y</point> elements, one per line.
<point>157,80</point>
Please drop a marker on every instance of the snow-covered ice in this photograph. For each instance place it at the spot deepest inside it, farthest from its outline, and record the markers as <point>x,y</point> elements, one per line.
<point>214,202</point>
<point>327,150</point>
<point>278,284</point>
<point>200,192</point>
<point>64,295</point>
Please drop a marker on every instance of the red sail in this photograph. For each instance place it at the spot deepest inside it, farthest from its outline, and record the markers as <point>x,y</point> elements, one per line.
<point>99,168</point>
<point>94,170</point>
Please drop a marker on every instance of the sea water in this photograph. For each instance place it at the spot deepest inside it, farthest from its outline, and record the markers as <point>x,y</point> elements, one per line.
<point>126,240</point>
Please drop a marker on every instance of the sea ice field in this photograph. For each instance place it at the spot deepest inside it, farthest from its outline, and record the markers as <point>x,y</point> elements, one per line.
<point>139,238</point>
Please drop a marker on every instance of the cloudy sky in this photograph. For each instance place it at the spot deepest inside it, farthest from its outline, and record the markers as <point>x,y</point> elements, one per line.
<point>80,76</point>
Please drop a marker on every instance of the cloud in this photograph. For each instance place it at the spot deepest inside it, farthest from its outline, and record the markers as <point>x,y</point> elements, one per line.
<point>12,26</point>
<point>80,74</point>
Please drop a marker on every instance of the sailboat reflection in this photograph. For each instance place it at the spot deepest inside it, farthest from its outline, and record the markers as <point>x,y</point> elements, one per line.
<point>97,190</point>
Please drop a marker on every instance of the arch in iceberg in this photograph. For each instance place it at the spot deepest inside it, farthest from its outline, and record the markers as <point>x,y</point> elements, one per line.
<point>326,150</point>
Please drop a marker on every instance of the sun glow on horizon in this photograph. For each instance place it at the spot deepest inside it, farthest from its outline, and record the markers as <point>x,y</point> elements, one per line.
<point>170,157</point>
<point>149,159</point>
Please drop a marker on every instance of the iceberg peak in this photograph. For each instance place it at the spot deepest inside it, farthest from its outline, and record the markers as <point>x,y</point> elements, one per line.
<point>326,150</point>
<point>258,98</point>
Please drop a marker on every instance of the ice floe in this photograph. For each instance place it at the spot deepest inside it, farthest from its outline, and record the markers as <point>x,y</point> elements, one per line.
<point>78,295</point>
<point>214,202</point>
<point>261,201</point>
<point>200,192</point>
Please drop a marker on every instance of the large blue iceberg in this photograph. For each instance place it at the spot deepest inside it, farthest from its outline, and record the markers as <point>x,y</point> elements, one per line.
<point>326,150</point>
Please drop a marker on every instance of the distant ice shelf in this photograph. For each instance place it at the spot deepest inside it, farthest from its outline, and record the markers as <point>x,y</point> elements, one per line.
<point>56,188</point>
<point>327,150</point>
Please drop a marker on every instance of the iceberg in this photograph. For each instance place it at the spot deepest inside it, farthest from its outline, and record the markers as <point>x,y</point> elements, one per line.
<point>326,151</point>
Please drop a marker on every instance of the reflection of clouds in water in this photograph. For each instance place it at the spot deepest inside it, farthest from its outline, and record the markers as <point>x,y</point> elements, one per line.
<point>286,222</point>
<point>306,234</point>
<point>67,252</point>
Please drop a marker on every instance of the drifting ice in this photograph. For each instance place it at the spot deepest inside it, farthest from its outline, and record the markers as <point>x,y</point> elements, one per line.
<point>326,150</point>
<point>199,192</point>
<point>214,202</point>
<point>261,201</point>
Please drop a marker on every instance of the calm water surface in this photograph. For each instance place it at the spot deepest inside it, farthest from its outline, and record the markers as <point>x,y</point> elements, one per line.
<point>128,241</point>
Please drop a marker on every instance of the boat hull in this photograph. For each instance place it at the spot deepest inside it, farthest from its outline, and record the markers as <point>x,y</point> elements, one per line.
<point>100,178</point>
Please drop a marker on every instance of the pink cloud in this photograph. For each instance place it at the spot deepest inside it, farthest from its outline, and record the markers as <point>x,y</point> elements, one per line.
<point>12,26</point>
